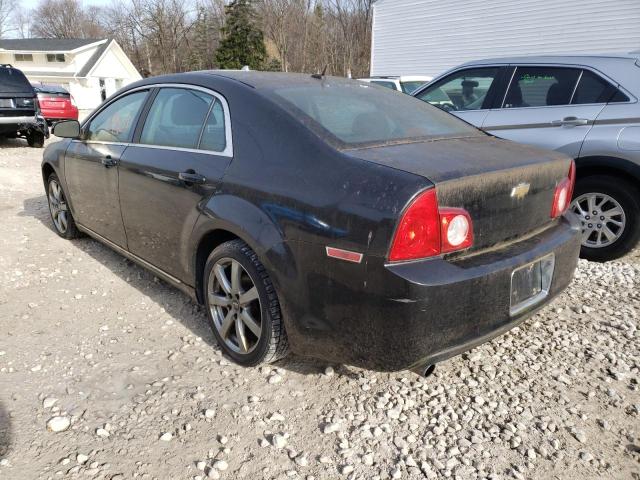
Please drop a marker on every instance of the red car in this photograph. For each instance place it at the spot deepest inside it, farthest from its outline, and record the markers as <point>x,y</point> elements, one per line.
<point>56,103</point>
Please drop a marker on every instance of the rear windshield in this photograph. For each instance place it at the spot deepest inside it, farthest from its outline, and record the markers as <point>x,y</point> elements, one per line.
<point>352,115</point>
<point>13,81</point>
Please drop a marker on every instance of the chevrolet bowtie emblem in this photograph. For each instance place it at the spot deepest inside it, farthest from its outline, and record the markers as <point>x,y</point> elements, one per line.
<point>520,191</point>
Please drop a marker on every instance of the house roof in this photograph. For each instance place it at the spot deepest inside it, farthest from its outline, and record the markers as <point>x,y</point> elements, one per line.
<point>47,44</point>
<point>94,59</point>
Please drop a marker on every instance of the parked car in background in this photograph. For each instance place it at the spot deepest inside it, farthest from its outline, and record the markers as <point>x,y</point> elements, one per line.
<point>19,115</point>
<point>318,214</point>
<point>403,83</point>
<point>56,103</point>
<point>584,106</point>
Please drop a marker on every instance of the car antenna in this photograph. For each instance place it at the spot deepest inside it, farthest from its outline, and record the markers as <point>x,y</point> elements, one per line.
<point>319,76</point>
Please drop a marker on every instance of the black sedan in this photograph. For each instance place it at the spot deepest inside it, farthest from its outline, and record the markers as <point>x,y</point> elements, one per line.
<point>320,215</point>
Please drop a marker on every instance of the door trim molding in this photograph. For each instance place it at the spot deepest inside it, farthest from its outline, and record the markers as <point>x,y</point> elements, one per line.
<point>170,279</point>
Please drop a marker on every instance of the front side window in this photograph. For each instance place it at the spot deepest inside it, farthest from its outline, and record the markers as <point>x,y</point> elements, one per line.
<point>464,90</point>
<point>176,118</point>
<point>55,57</point>
<point>353,114</point>
<point>541,87</point>
<point>115,123</point>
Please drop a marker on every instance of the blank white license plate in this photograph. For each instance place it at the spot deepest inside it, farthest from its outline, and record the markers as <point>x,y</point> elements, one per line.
<point>6,103</point>
<point>530,283</point>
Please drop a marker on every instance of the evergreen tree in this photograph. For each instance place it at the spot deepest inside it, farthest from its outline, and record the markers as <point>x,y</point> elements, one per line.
<point>243,42</point>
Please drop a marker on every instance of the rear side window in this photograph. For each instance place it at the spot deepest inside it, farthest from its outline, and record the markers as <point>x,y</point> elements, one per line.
<point>382,83</point>
<point>410,87</point>
<point>541,87</point>
<point>115,122</point>
<point>213,135</point>
<point>352,114</point>
<point>176,118</point>
<point>463,90</point>
<point>592,89</point>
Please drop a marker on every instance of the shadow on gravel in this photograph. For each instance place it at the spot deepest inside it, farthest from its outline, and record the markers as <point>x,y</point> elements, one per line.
<point>13,143</point>
<point>5,432</point>
<point>177,304</point>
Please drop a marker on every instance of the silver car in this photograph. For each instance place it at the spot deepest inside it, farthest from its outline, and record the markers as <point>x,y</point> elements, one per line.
<point>584,106</point>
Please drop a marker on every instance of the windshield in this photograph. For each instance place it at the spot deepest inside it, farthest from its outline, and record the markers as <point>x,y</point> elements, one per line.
<point>13,81</point>
<point>355,114</point>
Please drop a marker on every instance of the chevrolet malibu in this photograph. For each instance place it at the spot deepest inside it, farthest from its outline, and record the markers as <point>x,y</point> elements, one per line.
<point>319,215</point>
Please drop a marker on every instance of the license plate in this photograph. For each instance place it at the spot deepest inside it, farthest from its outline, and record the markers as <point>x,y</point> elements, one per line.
<point>6,103</point>
<point>530,283</point>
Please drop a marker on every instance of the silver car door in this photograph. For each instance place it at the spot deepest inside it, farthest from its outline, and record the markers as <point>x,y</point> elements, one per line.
<point>538,109</point>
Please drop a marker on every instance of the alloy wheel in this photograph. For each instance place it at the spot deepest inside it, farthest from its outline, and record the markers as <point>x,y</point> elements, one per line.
<point>235,305</point>
<point>58,206</point>
<point>602,217</point>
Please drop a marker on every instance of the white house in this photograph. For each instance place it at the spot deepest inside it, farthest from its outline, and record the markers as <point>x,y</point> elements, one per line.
<point>90,69</point>
<point>427,37</point>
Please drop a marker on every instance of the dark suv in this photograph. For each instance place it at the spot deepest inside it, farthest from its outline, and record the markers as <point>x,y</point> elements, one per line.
<point>19,112</point>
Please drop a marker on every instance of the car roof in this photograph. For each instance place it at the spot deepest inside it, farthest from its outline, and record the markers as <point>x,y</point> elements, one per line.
<point>274,80</point>
<point>570,59</point>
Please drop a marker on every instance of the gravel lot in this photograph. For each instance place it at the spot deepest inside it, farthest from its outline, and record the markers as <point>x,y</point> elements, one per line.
<point>129,364</point>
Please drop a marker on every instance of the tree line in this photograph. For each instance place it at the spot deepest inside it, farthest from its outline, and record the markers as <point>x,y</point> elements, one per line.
<point>166,36</point>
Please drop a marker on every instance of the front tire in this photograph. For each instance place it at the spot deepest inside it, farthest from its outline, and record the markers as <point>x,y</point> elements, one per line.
<point>609,210</point>
<point>61,216</point>
<point>242,306</point>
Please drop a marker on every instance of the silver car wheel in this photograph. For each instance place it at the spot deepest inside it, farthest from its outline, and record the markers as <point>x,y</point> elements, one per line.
<point>58,206</point>
<point>235,305</point>
<point>603,219</point>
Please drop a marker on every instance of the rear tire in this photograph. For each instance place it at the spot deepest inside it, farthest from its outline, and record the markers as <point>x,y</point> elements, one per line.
<point>61,216</point>
<point>244,313</point>
<point>35,139</point>
<point>622,193</point>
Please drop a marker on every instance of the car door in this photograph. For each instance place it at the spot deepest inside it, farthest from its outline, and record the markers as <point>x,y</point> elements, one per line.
<point>91,166</point>
<point>541,108</point>
<point>467,93</point>
<point>180,152</point>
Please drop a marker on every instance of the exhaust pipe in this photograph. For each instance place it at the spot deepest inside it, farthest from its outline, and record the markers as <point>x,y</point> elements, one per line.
<point>424,371</point>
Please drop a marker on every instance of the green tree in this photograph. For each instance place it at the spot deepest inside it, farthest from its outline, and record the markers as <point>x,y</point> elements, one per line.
<point>243,42</point>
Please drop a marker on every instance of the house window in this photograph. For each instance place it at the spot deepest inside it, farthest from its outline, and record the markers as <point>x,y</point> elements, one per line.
<point>55,57</point>
<point>23,57</point>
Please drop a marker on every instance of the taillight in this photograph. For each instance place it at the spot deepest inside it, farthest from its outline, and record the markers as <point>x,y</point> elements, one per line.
<point>425,230</point>
<point>564,192</point>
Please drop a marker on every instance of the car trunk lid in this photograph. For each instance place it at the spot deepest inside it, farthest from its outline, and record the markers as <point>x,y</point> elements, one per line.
<point>507,188</point>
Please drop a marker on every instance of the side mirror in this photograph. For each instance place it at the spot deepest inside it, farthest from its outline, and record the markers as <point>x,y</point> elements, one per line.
<point>67,129</point>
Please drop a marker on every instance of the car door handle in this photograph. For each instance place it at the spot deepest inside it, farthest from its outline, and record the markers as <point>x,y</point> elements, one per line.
<point>109,161</point>
<point>570,121</point>
<point>192,177</point>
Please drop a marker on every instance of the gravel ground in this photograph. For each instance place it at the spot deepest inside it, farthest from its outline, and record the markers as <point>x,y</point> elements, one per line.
<point>127,368</point>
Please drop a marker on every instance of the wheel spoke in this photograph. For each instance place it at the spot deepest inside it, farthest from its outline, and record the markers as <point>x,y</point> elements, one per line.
<point>613,212</point>
<point>62,216</point>
<point>248,296</point>
<point>240,335</point>
<point>248,320</point>
<point>219,300</point>
<point>226,324</point>
<point>62,206</point>
<point>222,279</point>
<point>236,272</point>
<point>585,235</point>
<point>591,202</point>
<point>608,233</point>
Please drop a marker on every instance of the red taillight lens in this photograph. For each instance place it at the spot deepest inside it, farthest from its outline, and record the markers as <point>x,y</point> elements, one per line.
<point>564,192</point>
<point>426,230</point>
<point>418,233</point>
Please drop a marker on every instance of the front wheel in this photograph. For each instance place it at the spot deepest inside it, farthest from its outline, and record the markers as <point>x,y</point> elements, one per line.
<point>242,306</point>
<point>609,210</point>
<point>59,208</point>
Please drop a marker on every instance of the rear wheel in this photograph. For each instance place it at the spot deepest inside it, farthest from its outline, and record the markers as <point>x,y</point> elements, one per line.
<point>59,208</point>
<point>242,306</point>
<point>35,139</point>
<point>609,210</point>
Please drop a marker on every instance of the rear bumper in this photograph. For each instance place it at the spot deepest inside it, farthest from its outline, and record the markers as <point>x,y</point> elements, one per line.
<point>401,316</point>
<point>18,120</point>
